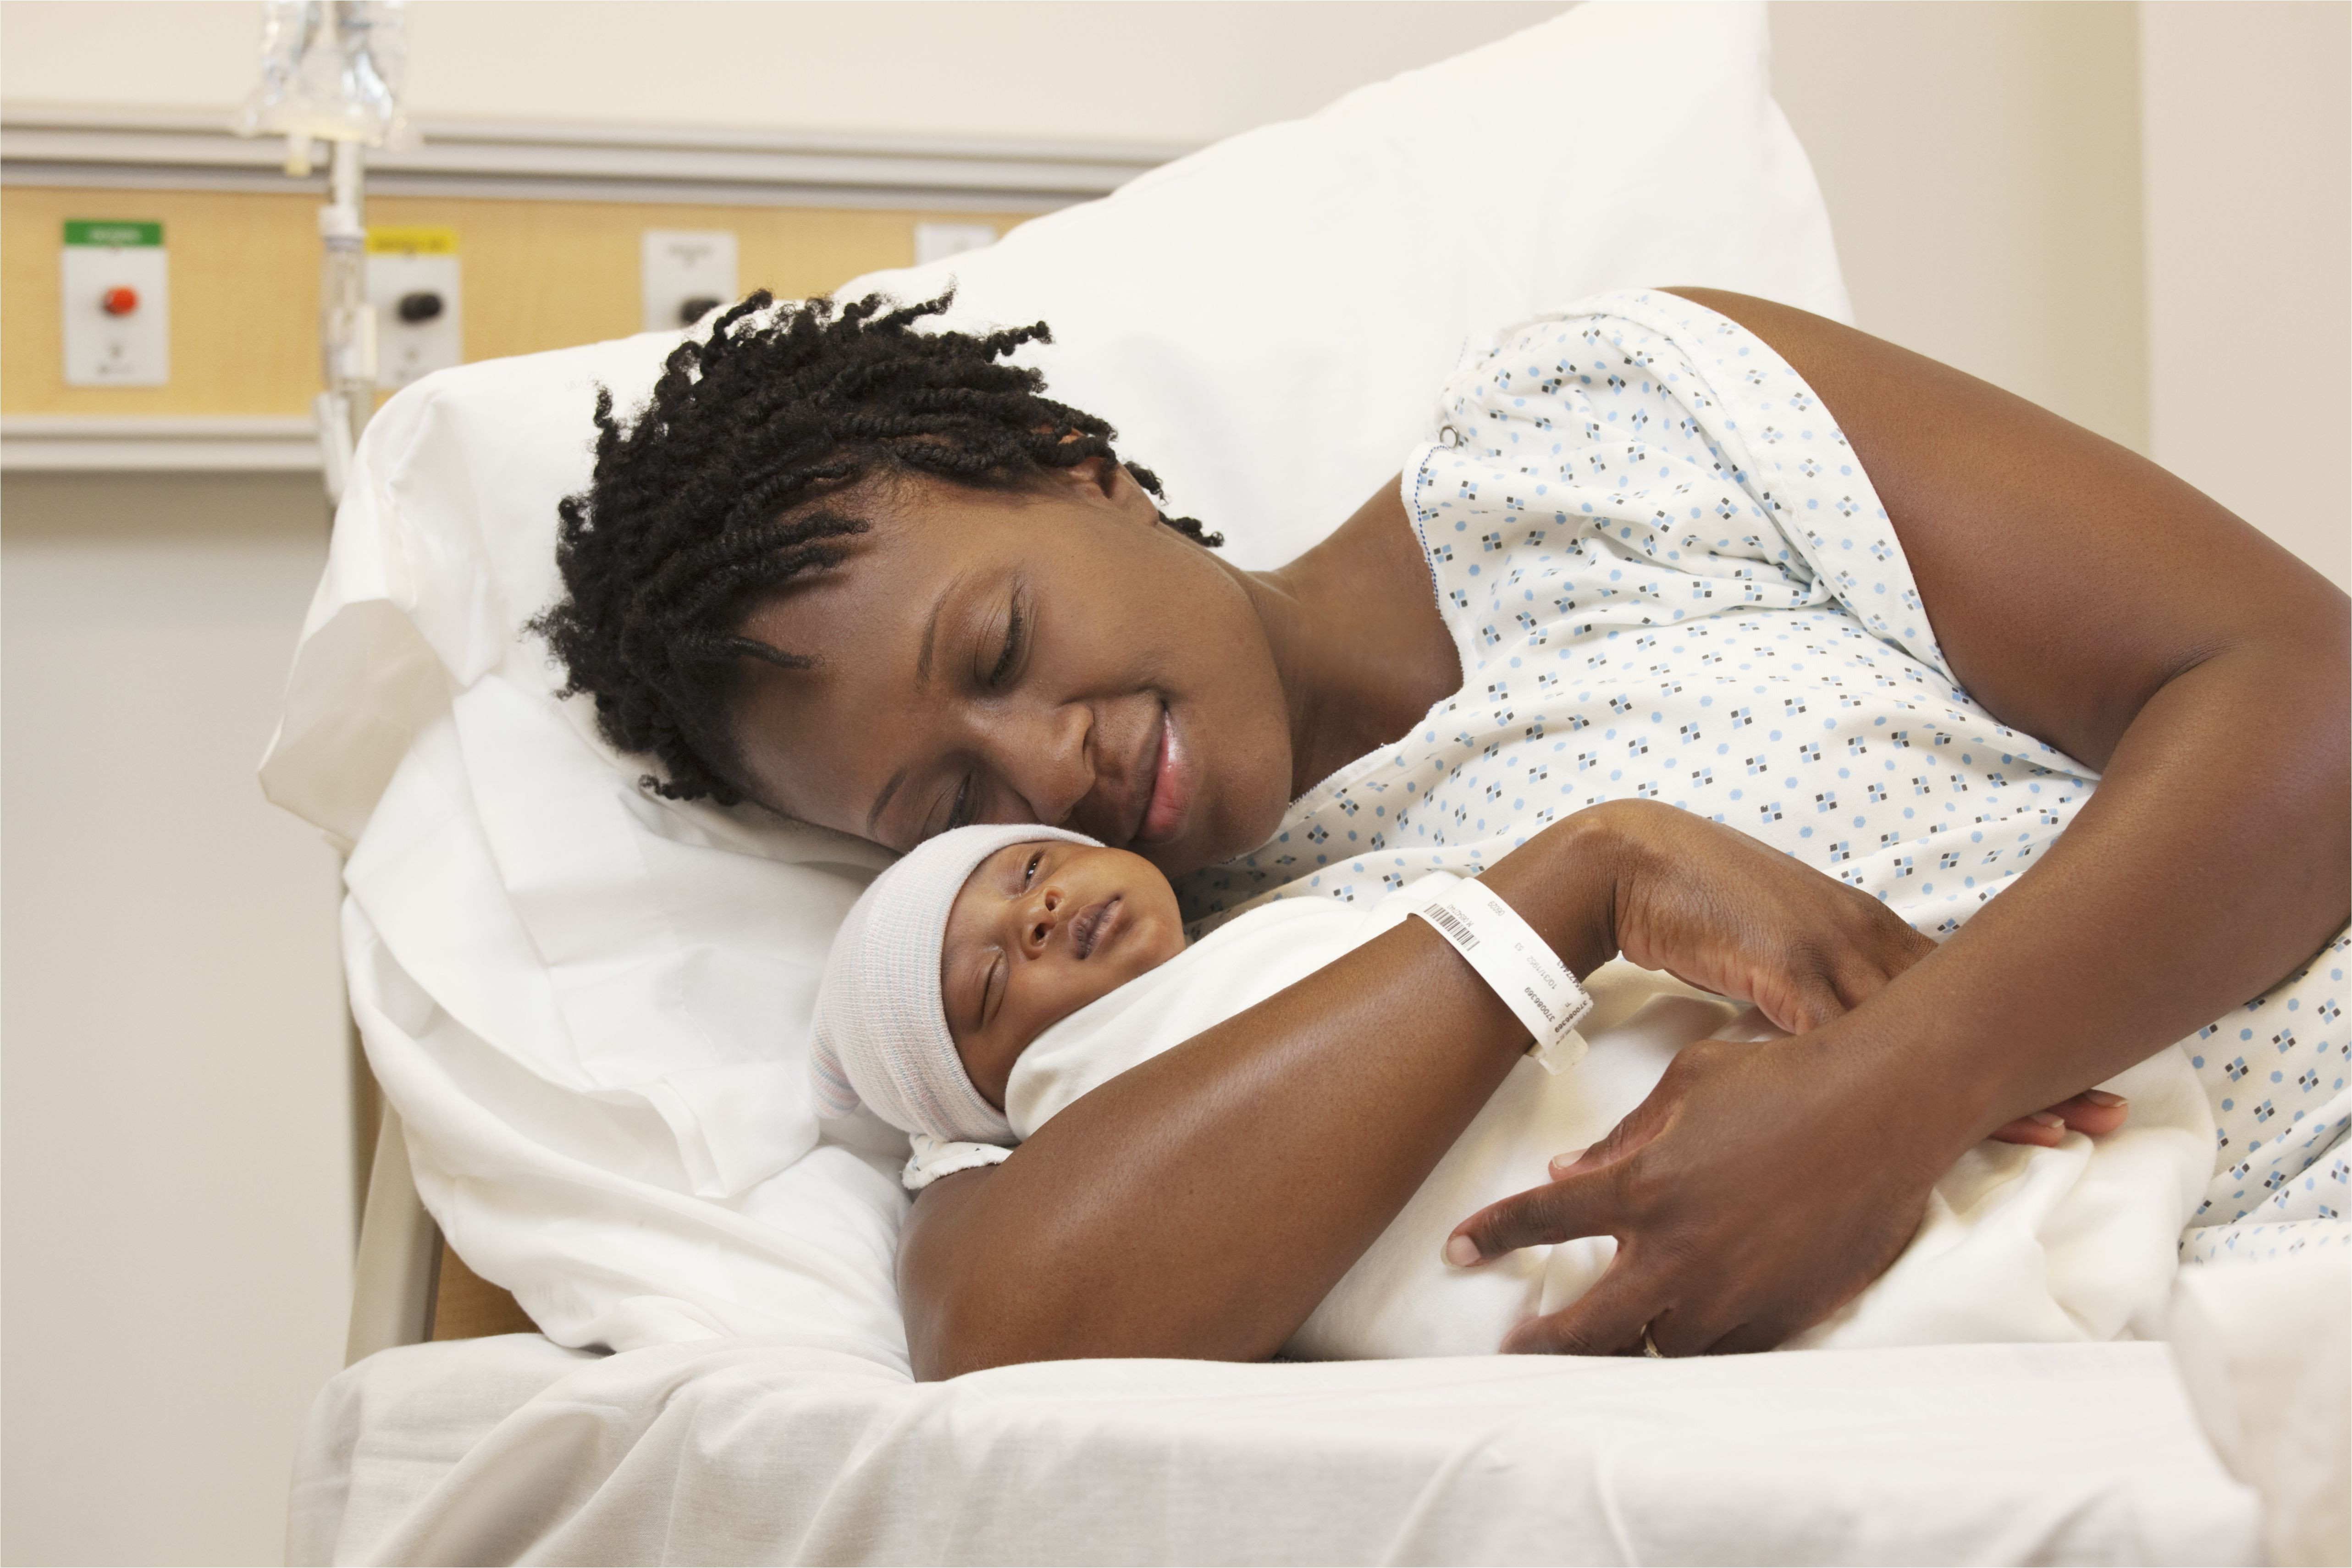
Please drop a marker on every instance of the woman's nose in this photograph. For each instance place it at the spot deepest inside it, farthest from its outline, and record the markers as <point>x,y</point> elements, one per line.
<point>1044,912</point>
<point>1045,758</point>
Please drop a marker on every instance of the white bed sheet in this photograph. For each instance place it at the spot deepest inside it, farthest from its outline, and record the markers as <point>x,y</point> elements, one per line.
<point>751,1451</point>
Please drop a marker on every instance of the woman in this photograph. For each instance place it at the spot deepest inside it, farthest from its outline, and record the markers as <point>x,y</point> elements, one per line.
<point>872,579</point>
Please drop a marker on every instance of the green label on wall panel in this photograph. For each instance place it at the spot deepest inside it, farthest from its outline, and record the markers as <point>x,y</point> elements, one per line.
<point>112,232</point>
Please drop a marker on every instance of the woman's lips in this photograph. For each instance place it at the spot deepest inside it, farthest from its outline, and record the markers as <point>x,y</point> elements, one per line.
<point>1171,787</point>
<point>1095,925</point>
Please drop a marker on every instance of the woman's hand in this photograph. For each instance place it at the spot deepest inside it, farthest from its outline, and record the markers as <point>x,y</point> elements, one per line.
<point>1747,1204</point>
<point>1757,1189</point>
<point>1749,1199</point>
<point>1727,914</point>
<point>1730,914</point>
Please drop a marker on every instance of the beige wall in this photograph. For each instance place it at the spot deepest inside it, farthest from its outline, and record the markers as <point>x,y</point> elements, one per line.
<point>2248,144</point>
<point>1981,159</point>
<point>2067,198</point>
<point>1182,71</point>
<point>175,1150</point>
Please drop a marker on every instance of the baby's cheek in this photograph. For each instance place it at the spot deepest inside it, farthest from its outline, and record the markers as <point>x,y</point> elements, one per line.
<point>1094,982</point>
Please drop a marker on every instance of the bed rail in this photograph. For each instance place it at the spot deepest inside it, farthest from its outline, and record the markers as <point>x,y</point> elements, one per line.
<point>393,1279</point>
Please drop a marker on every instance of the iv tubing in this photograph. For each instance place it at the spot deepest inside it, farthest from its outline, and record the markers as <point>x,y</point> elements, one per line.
<point>346,321</point>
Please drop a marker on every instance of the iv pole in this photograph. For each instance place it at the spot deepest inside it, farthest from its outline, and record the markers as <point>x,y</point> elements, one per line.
<point>333,70</point>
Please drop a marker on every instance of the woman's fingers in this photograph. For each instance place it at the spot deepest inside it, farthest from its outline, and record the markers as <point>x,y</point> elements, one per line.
<point>1749,1339</point>
<point>1812,1001</point>
<point>1586,1195</point>
<point>1620,1316</point>
<point>2041,1130</point>
<point>1581,1205</point>
<point>1605,1321</point>
<point>2094,1112</point>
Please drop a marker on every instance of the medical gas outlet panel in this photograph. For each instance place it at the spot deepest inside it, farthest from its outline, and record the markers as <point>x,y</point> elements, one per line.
<point>417,292</point>
<point>118,304</point>
<point>684,275</point>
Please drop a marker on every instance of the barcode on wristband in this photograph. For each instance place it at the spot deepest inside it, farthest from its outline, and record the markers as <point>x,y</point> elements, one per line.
<point>1518,966</point>
<point>1454,926</point>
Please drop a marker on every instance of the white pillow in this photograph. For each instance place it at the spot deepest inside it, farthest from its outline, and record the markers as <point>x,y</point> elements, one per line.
<point>589,1005</point>
<point>1267,321</point>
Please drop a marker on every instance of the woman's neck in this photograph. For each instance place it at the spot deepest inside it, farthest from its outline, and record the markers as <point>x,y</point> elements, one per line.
<point>1356,637</point>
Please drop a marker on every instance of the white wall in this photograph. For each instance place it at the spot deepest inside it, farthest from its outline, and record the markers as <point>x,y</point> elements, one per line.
<point>2248,143</point>
<point>175,1178</point>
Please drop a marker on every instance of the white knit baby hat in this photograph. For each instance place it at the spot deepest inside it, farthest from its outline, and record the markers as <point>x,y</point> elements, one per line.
<point>881,1026</point>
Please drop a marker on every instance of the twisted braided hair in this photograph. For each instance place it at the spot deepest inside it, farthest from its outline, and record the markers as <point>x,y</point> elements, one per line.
<point>714,496</point>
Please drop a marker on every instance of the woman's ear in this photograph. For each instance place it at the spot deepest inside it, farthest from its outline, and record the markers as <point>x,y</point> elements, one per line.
<point>1101,481</point>
<point>1098,474</point>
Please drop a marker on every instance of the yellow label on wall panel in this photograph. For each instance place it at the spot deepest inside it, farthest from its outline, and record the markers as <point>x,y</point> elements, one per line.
<point>411,239</point>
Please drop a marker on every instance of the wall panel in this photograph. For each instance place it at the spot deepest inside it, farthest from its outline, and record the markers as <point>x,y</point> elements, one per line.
<point>245,284</point>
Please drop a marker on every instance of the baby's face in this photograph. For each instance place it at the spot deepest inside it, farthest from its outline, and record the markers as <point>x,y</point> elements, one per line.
<point>1038,931</point>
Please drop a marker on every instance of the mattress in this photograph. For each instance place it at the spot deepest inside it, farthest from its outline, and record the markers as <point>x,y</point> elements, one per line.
<point>742,1451</point>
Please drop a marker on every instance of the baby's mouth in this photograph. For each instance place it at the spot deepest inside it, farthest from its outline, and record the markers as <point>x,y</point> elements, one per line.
<point>1093,924</point>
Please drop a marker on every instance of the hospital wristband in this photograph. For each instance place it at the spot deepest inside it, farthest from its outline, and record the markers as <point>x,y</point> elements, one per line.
<point>1516,964</point>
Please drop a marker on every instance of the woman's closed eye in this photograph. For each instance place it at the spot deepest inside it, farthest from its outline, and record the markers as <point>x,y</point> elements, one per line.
<point>963,810</point>
<point>1008,659</point>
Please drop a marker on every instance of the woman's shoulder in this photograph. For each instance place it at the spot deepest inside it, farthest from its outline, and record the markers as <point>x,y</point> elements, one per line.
<point>1636,341</point>
<point>1660,431</point>
<point>1614,317</point>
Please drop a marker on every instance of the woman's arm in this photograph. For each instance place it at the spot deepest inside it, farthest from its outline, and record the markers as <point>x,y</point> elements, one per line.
<point>1203,1203</point>
<point>2087,597</point>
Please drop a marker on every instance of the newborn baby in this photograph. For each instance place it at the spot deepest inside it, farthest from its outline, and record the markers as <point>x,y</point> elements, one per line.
<point>997,973</point>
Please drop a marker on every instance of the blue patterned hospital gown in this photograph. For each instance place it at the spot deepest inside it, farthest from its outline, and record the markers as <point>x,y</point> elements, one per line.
<point>1669,579</point>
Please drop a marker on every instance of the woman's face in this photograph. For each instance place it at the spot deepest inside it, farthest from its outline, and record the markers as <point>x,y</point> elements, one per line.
<point>1038,931</point>
<point>1053,654</point>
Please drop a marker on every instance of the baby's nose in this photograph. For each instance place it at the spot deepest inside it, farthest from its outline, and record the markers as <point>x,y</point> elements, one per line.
<point>1044,916</point>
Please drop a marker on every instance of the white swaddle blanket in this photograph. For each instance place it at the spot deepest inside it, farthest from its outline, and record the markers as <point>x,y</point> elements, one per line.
<point>2074,1243</point>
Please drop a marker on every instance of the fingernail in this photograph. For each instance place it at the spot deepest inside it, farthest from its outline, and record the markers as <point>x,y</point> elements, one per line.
<point>2049,1119</point>
<point>1562,1162</point>
<point>2100,1096</point>
<point>1460,1251</point>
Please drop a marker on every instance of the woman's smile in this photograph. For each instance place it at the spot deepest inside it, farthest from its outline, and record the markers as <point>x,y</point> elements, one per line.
<point>1171,799</point>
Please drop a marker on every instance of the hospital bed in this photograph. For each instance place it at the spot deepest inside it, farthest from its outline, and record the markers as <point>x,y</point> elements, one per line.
<point>585,1005</point>
<point>510,1449</point>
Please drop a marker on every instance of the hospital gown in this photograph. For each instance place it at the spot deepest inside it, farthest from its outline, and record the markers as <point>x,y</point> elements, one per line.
<point>1669,579</point>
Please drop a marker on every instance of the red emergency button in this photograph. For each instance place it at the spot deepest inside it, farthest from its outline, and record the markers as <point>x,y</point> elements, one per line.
<point>118,301</point>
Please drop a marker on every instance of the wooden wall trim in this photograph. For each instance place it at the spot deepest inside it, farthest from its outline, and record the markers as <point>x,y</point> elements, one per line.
<point>181,149</point>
